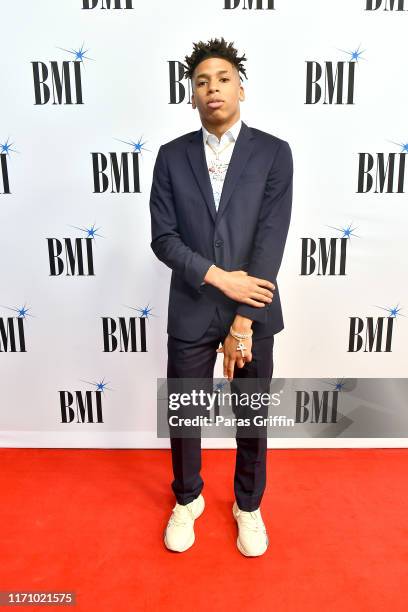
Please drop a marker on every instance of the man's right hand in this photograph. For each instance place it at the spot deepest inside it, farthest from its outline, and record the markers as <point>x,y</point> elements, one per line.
<point>239,286</point>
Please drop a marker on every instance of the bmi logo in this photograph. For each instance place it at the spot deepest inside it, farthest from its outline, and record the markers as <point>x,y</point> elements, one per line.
<point>314,406</point>
<point>12,337</point>
<point>382,172</point>
<point>373,334</point>
<point>118,172</point>
<point>60,81</point>
<point>72,256</point>
<point>5,149</point>
<point>331,82</point>
<point>259,5</point>
<point>326,256</point>
<point>387,5</point>
<point>107,4</point>
<point>126,334</point>
<point>83,406</point>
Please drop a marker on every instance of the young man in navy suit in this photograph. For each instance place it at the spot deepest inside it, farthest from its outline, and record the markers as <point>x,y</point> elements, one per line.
<point>220,207</point>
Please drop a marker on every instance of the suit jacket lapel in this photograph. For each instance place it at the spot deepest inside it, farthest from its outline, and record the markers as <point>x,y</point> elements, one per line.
<point>240,155</point>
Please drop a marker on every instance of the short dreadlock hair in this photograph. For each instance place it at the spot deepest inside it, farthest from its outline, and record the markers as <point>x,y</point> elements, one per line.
<point>215,47</point>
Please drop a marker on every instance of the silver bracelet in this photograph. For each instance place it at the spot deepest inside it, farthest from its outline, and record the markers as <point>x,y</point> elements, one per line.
<point>239,336</point>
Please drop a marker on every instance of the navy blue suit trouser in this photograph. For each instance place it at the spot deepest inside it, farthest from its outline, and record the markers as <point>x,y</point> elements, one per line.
<point>196,359</point>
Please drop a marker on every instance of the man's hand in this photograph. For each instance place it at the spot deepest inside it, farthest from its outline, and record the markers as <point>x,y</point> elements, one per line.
<point>241,287</point>
<point>232,356</point>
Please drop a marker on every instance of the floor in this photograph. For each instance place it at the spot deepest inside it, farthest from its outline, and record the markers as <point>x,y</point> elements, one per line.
<point>91,522</point>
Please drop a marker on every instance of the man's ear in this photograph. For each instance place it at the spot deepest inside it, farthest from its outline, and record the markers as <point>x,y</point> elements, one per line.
<point>193,104</point>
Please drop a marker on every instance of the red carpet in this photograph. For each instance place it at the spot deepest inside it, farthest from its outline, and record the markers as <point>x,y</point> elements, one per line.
<point>91,521</point>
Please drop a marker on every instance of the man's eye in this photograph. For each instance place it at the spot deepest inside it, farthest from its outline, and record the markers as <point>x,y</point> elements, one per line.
<point>202,82</point>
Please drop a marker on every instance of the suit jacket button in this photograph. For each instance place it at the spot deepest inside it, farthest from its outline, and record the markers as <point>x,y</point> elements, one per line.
<point>219,243</point>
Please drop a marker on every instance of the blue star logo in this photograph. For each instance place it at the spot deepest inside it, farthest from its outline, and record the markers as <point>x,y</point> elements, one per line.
<point>6,147</point>
<point>22,312</point>
<point>404,146</point>
<point>146,312</point>
<point>219,386</point>
<point>354,55</point>
<point>137,146</point>
<point>339,385</point>
<point>78,53</point>
<point>346,231</point>
<point>394,311</point>
<point>91,232</point>
<point>100,386</point>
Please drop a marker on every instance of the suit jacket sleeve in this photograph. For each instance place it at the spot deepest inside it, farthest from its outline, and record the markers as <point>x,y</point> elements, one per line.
<point>166,242</point>
<point>272,228</point>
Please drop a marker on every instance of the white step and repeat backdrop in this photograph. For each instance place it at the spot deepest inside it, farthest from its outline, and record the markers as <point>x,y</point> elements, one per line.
<point>89,91</point>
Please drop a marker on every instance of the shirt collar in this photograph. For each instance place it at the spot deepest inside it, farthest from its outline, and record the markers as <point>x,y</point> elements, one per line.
<point>232,132</point>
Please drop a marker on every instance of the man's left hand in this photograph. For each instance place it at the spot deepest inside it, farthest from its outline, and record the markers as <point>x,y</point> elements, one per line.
<point>233,356</point>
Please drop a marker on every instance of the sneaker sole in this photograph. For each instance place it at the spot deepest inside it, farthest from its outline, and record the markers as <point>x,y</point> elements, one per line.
<point>242,550</point>
<point>188,545</point>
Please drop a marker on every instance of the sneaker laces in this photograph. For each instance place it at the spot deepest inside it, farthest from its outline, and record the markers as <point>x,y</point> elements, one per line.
<point>251,520</point>
<point>181,515</point>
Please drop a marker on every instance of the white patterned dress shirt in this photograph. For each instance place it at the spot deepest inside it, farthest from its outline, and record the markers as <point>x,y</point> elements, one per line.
<point>217,181</point>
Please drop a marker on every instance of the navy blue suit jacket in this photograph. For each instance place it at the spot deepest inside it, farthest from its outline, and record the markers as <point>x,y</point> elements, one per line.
<point>248,232</point>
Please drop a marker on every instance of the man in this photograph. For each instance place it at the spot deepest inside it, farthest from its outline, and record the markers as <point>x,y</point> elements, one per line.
<point>220,207</point>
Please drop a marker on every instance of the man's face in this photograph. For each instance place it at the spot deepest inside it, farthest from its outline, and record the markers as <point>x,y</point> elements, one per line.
<point>217,79</point>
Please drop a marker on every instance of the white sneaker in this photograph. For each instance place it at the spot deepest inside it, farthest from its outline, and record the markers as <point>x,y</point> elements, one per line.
<point>252,538</point>
<point>179,533</point>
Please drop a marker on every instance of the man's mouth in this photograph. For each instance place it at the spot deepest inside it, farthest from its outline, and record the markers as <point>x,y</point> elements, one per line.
<point>215,103</point>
